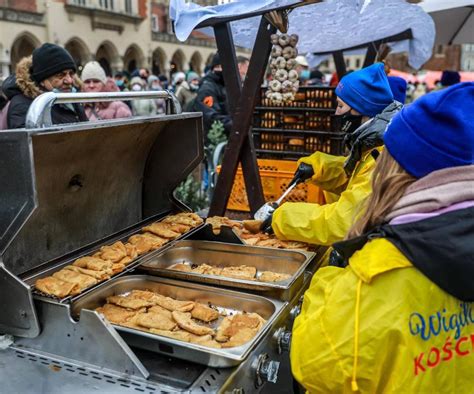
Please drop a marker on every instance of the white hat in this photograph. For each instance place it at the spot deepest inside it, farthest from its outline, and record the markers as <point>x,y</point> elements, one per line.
<point>93,70</point>
<point>301,60</point>
<point>179,77</point>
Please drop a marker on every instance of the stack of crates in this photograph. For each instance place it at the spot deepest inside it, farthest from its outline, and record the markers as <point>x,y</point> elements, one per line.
<point>299,128</point>
<point>275,176</point>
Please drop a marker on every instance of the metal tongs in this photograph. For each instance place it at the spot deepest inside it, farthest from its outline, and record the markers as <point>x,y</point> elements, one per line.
<point>265,210</point>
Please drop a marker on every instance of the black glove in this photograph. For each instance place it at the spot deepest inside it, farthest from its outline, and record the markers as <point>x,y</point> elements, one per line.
<point>303,173</point>
<point>267,224</point>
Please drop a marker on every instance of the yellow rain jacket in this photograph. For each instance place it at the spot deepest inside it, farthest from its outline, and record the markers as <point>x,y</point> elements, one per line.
<point>328,223</point>
<point>380,326</point>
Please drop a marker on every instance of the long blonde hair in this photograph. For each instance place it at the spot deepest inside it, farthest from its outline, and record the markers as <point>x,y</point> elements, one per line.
<point>389,183</point>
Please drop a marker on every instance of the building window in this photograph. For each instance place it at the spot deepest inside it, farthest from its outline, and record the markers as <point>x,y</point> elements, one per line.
<point>107,4</point>
<point>154,23</point>
<point>439,49</point>
<point>357,63</point>
<point>129,6</point>
<point>169,26</point>
<point>348,63</point>
<point>79,2</point>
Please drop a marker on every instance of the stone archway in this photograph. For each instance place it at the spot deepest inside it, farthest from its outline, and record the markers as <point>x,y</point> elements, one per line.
<point>79,51</point>
<point>208,62</point>
<point>108,57</point>
<point>178,60</point>
<point>22,46</point>
<point>133,58</point>
<point>158,62</point>
<point>195,64</point>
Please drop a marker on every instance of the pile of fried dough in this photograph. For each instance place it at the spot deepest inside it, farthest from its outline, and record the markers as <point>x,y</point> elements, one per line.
<point>186,321</point>
<point>244,272</point>
<point>112,259</point>
<point>249,232</point>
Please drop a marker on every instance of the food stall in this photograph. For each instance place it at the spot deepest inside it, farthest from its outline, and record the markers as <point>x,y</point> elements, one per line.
<point>87,283</point>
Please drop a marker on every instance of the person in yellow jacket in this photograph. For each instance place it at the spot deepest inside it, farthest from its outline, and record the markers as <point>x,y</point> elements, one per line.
<point>363,96</point>
<point>397,315</point>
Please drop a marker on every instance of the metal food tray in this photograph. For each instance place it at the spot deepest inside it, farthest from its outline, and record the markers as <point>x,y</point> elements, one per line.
<point>51,269</point>
<point>228,300</point>
<point>292,262</point>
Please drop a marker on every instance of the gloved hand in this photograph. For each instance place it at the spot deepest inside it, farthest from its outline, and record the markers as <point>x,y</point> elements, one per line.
<point>266,226</point>
<point>303,173</point>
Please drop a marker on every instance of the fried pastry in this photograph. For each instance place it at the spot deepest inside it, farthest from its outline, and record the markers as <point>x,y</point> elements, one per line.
<point>232,325</point>
<point>180,335</point>
<point>240,272</point>
<point>125,261</point>
<point>99,275</point>
<point>181,267</point>
<point>269,276</point>
<point>240,338</point>
<point>116,314</point>
<point>155,320</point>
<point>174,305</point>
<point>132,251</point>
<point>117,268</point>
<point>56,287</point>
<point>114,253</point>
<point>160,310</point>
<point>204,313</point>
<point>204,340</point>
<point>83,281</point>
<point>218,221</point>
<point>129,302</point>
<point>184,218</point>
<point>185,322</point>
<point>94,263</point>
<point>147,242</point>
<point>252,226</point>
<point>162,230</point>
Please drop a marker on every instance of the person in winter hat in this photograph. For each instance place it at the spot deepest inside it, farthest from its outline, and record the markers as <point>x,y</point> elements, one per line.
<point>398,86</point>
<point>449,78</point>
<point>154,84</point>
<point>211,98</point>
<point>365,106</point>
<point>397,313</point>
<point>145,107</point>
<point>50,69</point>
<point>187,90</point>
<point>95,81</point>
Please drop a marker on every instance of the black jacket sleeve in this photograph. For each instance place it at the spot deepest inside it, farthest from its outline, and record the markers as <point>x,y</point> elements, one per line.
<point>16,116</point>
<point>210,102</point>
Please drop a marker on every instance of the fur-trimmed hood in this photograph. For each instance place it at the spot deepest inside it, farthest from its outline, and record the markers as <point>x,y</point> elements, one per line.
<point>23,79</point>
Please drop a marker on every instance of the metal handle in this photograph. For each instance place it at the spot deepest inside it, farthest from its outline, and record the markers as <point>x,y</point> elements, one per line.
<point>287,191</point>
<point>39,113</point>
<point>267,370</point>
<point>284,341</point>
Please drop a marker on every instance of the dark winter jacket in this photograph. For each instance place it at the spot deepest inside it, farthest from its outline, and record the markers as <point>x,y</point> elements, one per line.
<point>25,91</point>
<point>211,100</point>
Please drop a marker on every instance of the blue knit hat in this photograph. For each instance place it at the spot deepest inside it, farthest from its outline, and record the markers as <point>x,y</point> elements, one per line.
<point>435,132</point>
<point>398,86</point>
<point>367,90</point>
<point>449,78</point>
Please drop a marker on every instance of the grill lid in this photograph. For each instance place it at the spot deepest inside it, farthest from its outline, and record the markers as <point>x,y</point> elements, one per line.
<point>66,187</point>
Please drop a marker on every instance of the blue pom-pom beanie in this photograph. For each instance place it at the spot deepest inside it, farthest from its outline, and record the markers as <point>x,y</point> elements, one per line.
<point>435,132</point>
<point>367,90</point>
<point>398,86</point>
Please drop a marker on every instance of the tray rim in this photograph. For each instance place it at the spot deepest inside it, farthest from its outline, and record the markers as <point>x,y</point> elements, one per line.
<point>256,285</point>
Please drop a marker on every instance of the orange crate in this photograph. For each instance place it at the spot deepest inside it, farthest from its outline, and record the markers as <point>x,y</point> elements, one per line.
<point>275,175</point>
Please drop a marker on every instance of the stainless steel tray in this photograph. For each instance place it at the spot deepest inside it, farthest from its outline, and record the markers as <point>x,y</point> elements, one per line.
<point>227,299</point>
<point>89,251</point>
<point>290,262</point>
